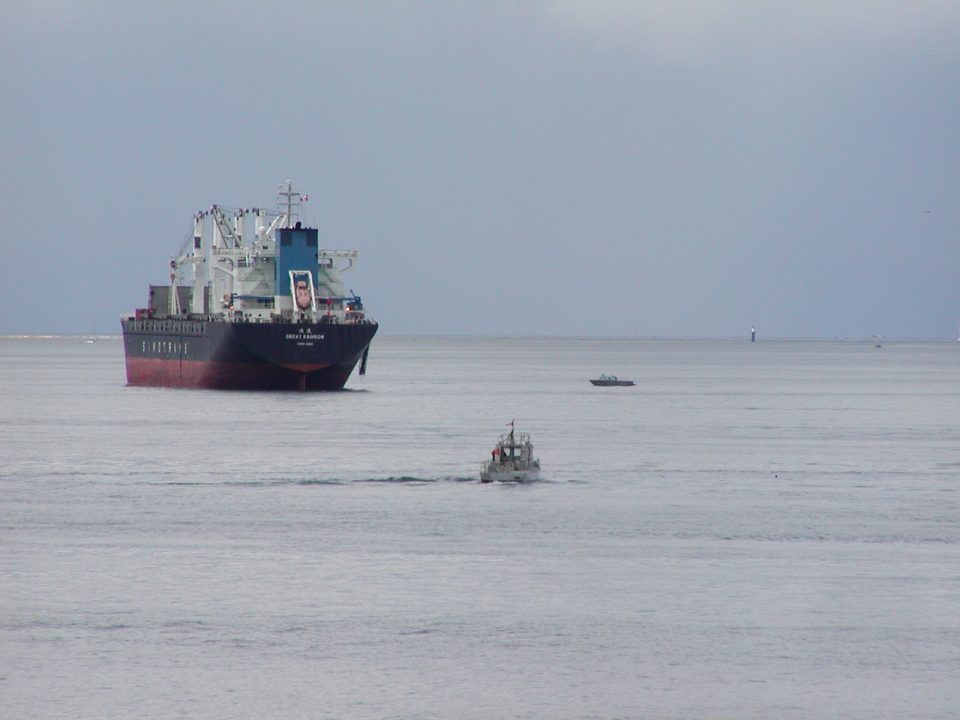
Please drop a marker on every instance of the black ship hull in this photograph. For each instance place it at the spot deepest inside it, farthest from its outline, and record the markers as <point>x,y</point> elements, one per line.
<point>217,354</point>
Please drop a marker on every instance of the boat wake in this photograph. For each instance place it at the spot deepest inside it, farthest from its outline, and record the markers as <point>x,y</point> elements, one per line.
<point>414,480</point>
<point>289,482</point>
<point>344,481</point>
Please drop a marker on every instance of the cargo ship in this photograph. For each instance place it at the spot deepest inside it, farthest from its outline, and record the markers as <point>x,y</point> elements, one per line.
<point>254,303</point>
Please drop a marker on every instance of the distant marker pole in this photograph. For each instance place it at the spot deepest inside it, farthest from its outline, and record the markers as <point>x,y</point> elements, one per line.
<point>753,334</point>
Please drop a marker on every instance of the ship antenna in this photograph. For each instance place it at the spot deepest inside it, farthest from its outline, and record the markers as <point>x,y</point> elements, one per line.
<point>289,203</point>
<point>291,198</point>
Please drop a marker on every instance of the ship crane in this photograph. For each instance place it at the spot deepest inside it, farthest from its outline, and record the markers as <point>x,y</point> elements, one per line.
<point>226,232</point>
<point>267,232</point>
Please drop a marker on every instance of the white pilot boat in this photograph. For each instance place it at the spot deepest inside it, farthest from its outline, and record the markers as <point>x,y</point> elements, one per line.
<point>511,460</point>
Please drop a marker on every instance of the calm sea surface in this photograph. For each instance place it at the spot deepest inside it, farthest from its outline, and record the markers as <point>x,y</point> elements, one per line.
<point>753,531</point>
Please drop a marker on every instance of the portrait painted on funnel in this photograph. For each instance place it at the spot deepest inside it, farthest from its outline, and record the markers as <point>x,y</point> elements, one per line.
<point>301,285</point>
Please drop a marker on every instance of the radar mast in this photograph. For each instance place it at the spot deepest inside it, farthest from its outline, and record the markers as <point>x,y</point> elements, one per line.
<point>290,199</point>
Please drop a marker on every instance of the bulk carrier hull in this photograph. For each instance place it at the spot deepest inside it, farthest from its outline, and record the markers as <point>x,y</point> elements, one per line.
<point>225,355</point>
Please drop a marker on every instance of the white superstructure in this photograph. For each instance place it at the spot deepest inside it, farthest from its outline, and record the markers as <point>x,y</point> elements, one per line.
<point>245,264</point>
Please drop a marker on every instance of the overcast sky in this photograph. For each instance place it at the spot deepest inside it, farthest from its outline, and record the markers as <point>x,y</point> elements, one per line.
<point>566,167</point>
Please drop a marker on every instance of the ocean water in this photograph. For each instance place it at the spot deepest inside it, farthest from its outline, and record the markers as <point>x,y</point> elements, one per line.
<point>766,530</point>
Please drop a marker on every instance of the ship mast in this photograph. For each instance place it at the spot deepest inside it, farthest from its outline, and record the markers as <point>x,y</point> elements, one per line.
<point>286,195</point>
